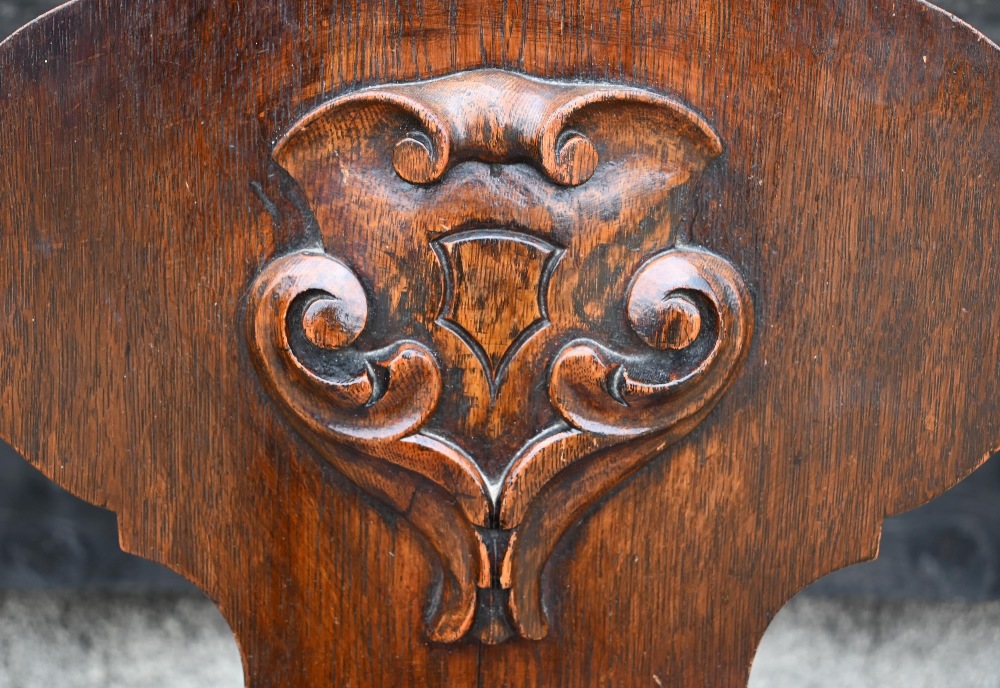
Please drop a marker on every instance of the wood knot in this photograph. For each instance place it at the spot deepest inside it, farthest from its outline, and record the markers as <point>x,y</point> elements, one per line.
<point>332,323</point>
<point>673,323</point>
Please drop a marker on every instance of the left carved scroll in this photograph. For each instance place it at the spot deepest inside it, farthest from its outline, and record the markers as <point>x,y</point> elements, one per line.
<point>305,312</point>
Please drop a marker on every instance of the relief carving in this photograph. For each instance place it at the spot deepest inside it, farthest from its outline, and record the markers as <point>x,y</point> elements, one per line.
<point>496,283</point>
<point>500,297</point>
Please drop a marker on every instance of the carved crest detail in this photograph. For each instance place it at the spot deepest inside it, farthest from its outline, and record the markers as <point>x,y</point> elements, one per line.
<point>495,291</point>
<point>496,296</point>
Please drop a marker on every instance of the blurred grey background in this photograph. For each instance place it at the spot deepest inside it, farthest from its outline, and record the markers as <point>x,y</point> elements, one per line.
<point>76,612</point>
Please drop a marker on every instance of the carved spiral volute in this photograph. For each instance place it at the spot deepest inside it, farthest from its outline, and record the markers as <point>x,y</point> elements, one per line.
<point>306,312</point>
<point>693,313</point>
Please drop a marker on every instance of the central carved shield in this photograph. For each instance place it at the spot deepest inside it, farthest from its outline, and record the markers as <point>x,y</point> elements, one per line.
<point>495,289</point>
<point>495,324</point>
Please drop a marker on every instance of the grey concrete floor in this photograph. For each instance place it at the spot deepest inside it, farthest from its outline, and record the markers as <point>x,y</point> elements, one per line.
<point>827,643</point>
<point>68,640</point>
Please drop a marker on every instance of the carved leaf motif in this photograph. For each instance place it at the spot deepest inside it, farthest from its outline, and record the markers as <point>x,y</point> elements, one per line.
<point>472,380</point>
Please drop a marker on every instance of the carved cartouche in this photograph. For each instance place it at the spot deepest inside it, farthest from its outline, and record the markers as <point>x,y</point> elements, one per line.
<point>500,322</point>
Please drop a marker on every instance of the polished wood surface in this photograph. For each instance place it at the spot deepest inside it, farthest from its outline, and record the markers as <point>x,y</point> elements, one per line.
<point>488,343</point>
<point>505,235</point>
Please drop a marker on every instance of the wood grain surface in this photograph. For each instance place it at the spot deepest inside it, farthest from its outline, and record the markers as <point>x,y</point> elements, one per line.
<point>856,194</point>
<point>536,329</point>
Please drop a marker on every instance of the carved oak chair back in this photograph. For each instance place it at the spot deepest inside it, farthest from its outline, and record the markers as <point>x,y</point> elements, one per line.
<point>459,343</point>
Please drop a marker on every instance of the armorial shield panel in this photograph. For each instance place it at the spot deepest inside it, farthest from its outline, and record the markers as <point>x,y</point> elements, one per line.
<point>496,285</point>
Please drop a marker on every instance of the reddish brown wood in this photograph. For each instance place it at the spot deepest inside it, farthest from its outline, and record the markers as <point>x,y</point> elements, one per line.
<point>492,313</point>
<point>664,321</point>
<point>500,343</point>
<point>331,323</point>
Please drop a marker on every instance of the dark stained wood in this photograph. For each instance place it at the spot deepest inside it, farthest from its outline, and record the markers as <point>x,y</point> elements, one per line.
<point>496,343</point>
<point>663,321</point>
<point>486,265</point>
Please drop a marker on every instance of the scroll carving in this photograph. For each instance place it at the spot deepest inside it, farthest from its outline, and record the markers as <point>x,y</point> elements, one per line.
<point>501,323</point>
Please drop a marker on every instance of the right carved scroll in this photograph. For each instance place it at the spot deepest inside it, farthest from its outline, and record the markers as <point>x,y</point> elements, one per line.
<point>694,313</point>
<point>502,321</point>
